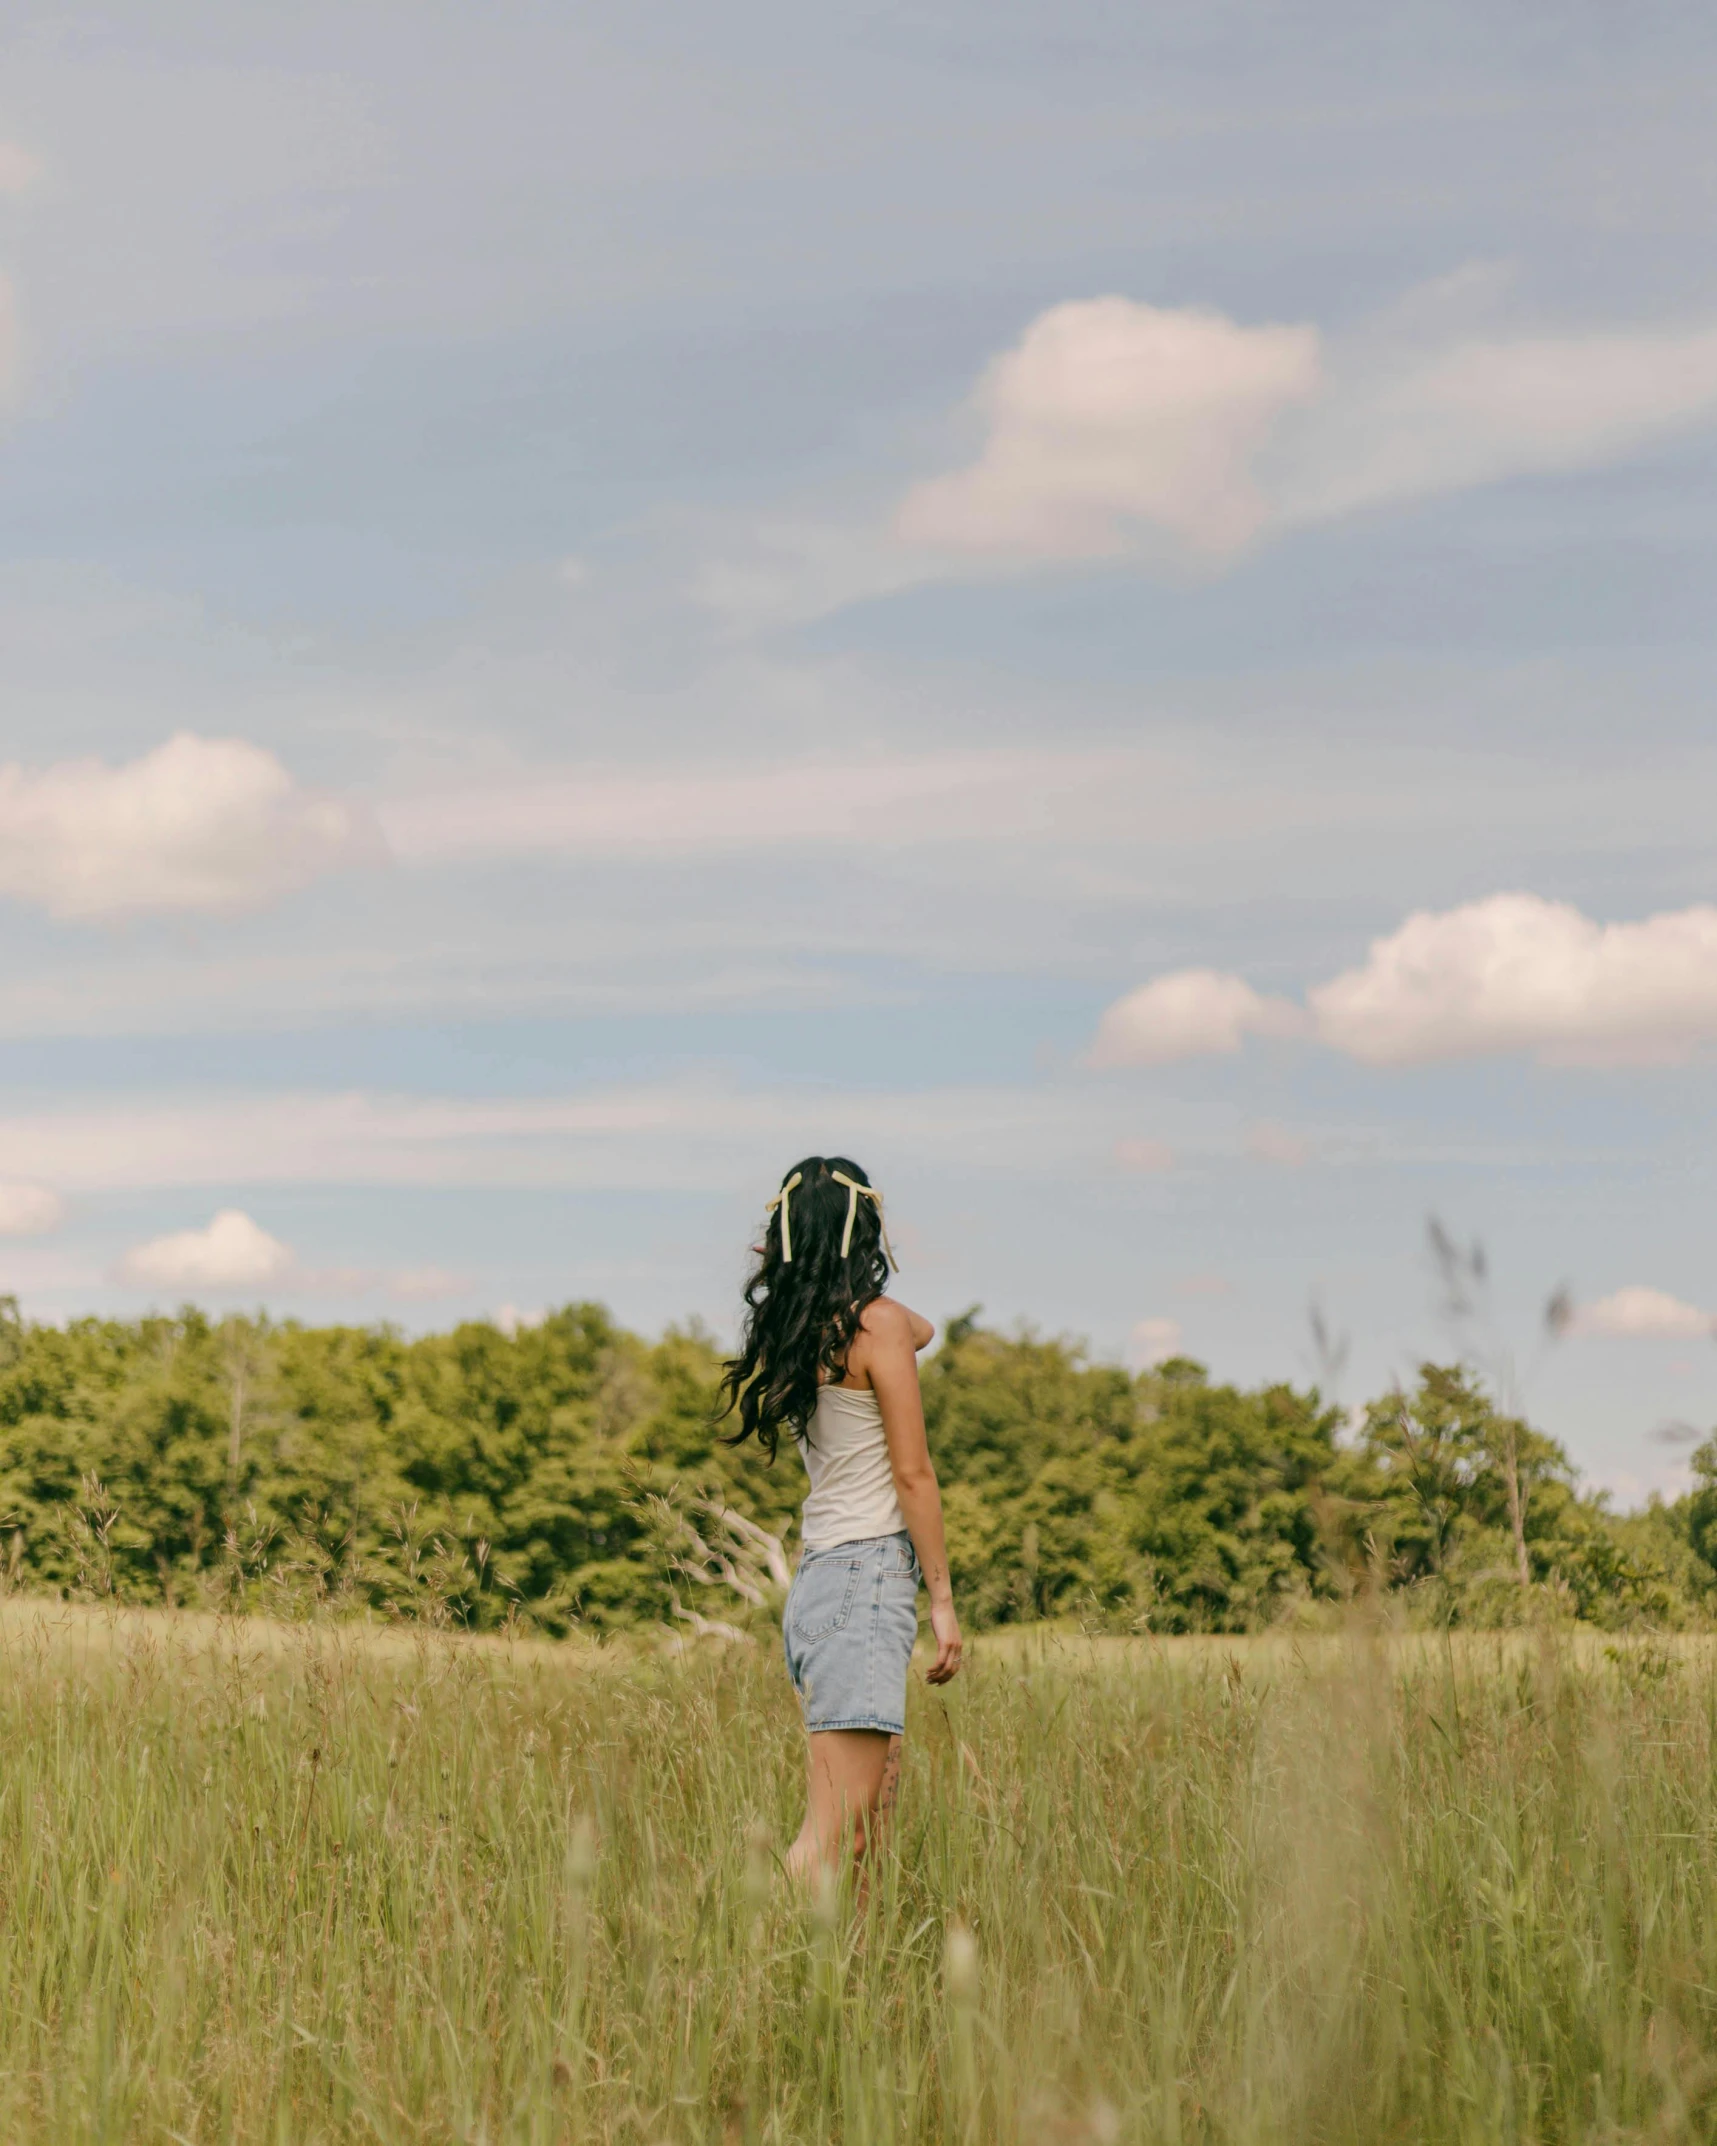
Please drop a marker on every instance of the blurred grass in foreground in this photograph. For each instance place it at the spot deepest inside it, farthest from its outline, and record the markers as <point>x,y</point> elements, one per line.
<point>272,1883</point>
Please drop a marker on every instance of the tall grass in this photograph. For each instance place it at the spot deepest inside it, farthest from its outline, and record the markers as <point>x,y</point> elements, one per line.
<point>258,1884</point>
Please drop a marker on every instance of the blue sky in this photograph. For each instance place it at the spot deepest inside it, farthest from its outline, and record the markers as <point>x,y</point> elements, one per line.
<point>1108,609</point>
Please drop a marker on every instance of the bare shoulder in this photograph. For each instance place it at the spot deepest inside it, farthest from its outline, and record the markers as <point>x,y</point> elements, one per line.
<point>887,1321</point>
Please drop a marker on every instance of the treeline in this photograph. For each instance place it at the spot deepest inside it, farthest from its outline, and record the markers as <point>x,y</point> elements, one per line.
<point>568,1475</point>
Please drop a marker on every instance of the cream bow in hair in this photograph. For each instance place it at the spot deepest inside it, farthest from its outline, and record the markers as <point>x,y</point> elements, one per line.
<point>854,1188</point>
<point>780,1200</point>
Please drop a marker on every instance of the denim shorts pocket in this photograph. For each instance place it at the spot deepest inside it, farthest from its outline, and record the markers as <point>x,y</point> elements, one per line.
<point>823,1593</point>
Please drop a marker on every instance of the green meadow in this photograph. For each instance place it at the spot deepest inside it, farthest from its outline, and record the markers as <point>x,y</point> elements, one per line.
<point>277,1882</point>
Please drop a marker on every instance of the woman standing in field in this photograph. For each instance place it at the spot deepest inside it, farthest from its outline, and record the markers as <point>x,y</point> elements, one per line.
<point>833,1361</point>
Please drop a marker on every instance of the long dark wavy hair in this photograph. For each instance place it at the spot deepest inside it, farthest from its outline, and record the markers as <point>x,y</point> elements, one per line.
<point>803,1313</point>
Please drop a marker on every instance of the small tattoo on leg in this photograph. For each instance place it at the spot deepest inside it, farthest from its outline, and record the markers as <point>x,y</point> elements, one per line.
<point>890,1789</point>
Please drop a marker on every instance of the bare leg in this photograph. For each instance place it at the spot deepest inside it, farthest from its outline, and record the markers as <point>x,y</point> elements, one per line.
<point>848,1768</point>
<point>890,1790</point>
<point>886,1797</point>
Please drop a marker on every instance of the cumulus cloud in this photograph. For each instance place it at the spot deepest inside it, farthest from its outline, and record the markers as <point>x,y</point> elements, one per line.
<point>1189,1013</point>
<point>29,1210</point>
<point>1153,1341</point>
<point>1510,973</point>
<point>1108,418</point>
<point>1515,972</point>
<point>197,824</point>
<point>1640,1313</point>
<point>233,1252</point>
<point>1114,427</point>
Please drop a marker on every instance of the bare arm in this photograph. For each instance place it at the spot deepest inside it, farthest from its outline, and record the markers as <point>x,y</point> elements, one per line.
<point>888,1358</point>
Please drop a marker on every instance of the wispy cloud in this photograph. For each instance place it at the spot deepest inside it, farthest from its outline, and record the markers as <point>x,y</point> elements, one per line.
<point>1510,973</point>
<point>1114,428</point>
<point>29,1210</point>
<point>199,824</point>
<point>686,1139</point>
<point>1276,1144</point>
<point>1482,409</point>
<point>1136,1153</point>
<point>426,1285</point>
<point>904,798</point>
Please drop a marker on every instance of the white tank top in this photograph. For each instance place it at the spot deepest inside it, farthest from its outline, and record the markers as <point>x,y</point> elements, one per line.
<point>852,1486</point>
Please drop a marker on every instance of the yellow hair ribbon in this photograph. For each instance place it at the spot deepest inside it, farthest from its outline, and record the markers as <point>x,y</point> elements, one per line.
<point>854,1188</point>
<point>780,1200</point>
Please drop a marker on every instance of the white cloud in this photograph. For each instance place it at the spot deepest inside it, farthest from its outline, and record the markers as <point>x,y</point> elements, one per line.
<point>1645,1314</point>
<point>755,575</point>
<point>1108,417</point>
<point>19,170</point>
<point>1111,426</point>
<point>1144,1155</point>
<point>233,1252</point>
<point>197,824</point>
<point>1515,972</point>
<point>1480,411</point>
<point>1512,972</point>
<point>1153,1341</point>
<point>29,1210</point>
<point>1275,1144</point>
<point>1190,1013</point>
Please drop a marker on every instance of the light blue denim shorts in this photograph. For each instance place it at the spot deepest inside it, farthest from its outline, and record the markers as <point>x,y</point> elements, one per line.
<point>848,1630</point>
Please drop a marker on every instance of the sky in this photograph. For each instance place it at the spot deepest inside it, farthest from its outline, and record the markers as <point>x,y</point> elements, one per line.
<point>1105,609</point>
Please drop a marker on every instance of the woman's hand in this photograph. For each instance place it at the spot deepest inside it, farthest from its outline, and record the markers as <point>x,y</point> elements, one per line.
<point>949,1645</point>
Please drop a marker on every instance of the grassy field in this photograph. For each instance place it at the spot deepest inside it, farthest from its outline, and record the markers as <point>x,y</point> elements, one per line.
<point>275,1883</point>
